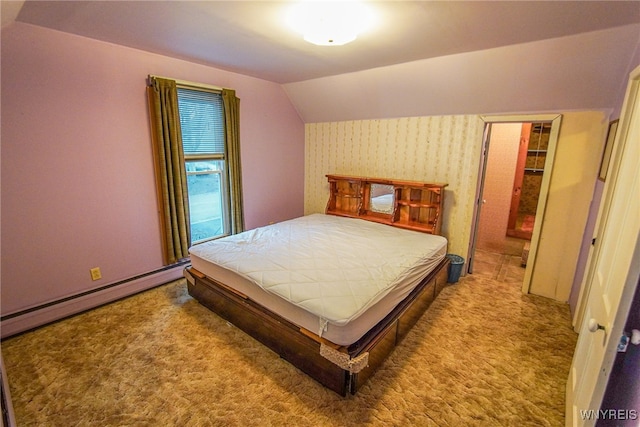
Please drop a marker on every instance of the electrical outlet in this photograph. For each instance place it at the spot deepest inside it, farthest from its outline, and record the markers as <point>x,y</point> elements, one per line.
<point>95,273</point>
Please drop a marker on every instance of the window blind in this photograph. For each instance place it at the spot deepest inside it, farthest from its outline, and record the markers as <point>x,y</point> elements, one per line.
<point>202,121</point>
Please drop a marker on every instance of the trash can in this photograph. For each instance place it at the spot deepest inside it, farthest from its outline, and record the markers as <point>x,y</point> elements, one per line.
<point>455,268</point>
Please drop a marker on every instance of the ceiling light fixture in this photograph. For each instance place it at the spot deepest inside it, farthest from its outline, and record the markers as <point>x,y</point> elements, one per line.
<point>330,23</point>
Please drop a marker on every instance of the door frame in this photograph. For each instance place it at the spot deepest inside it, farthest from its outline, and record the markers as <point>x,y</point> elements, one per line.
<point>475,220</point>
<point>614,162</point>
<point>555,120</point>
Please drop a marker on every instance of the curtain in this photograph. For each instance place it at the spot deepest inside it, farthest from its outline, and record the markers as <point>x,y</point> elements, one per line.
<point>232,147</point>
<point>170,169</point>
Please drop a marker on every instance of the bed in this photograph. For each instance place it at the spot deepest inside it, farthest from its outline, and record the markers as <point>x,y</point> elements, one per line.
<point>331,293</point>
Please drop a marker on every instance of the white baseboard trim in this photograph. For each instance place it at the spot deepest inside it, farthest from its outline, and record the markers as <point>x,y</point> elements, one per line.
<point>34,318</point>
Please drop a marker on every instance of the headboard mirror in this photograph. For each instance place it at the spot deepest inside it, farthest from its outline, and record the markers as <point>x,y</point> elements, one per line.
<point>381,198</point>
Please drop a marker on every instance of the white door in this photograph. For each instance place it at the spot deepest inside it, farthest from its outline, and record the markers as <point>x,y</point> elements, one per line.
<point>611,279</point>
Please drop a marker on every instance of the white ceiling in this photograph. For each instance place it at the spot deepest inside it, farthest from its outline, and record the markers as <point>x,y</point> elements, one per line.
<point>250,37</point>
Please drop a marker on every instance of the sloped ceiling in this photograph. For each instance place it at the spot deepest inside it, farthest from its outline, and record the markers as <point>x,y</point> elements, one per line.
<point>582,72</point>
<point>428,56</point>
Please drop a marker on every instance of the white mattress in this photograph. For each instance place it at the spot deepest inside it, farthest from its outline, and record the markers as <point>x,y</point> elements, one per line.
<point>332,275</point>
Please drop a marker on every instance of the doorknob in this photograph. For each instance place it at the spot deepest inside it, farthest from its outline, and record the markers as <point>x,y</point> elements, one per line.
<point>594,326</point>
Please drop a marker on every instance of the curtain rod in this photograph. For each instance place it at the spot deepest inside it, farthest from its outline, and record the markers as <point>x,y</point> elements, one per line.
<point>187,83</point>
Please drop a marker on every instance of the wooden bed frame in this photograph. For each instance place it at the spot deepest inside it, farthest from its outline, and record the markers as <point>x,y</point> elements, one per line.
<point>350,366</point>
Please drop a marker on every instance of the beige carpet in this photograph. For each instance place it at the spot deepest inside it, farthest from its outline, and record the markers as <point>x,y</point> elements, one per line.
<point>483,355</point>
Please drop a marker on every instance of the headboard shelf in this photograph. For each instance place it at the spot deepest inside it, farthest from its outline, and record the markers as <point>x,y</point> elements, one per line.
<point>412,205</point>
<point>416,204</point>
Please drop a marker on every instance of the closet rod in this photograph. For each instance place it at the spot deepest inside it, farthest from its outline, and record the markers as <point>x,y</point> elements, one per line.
<point>187,83</point>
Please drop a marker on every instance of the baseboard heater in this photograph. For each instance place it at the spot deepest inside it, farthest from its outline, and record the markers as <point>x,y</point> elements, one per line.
<point>40,315</point>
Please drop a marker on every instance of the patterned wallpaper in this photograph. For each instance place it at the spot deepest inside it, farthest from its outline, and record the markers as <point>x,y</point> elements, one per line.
<point>530,196</point>
<point>436,149</point>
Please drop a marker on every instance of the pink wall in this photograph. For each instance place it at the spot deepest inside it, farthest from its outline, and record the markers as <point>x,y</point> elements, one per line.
<point>498,186</point>
<point>77,173</point>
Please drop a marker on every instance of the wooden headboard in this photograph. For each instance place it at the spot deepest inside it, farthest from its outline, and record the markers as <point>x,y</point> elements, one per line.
<point>405,204</point>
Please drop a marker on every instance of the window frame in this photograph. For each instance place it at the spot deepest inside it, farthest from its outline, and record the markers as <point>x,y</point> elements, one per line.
<point>224,181</point>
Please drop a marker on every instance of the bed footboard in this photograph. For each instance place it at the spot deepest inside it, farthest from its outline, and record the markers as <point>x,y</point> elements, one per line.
<point>307,351</point>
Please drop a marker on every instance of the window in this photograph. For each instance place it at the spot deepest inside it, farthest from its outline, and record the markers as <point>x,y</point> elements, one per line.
<point>202,122</point>
<point>211,152</point>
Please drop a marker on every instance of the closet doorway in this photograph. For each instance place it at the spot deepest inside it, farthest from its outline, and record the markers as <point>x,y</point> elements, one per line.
<point>529,169</point>
<point>513,183</point>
